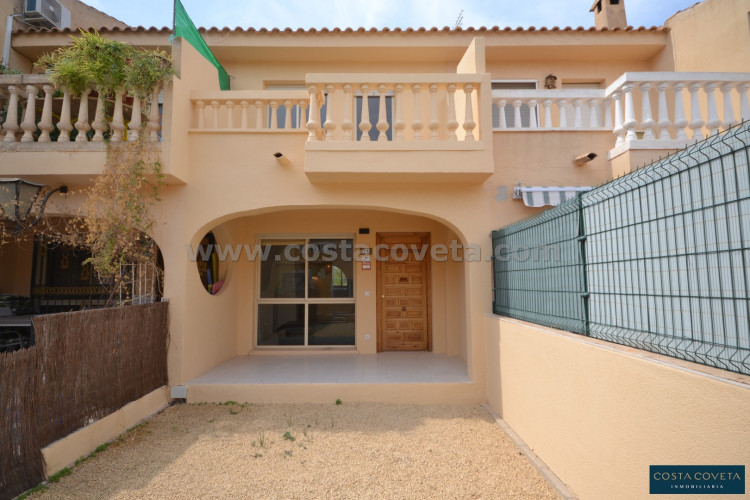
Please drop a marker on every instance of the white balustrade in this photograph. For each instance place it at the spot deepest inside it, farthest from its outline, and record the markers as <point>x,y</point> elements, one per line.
<point>548,109</point>
<point>647,109</point>
<point>259,111</point>
<point>660,90</point>
<point>399,108</point>
<point>39,103</point>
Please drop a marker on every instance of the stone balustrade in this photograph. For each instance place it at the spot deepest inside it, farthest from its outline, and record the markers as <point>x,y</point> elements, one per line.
<point>37,111</point>
<point>551,109</point>
<point>653,109</point>
<point>393,107</point>
<point>249,110</point>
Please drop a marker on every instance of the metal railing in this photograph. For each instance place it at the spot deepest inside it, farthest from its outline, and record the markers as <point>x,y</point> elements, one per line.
<point>658,259</point>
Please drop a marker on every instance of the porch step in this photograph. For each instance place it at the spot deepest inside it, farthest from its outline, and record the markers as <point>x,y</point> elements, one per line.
<point>408,377</point>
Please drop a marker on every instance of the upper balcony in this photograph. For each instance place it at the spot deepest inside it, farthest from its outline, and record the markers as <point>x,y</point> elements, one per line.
<point>413,127</point>
<point>51,136</point>
<point>653,112</point>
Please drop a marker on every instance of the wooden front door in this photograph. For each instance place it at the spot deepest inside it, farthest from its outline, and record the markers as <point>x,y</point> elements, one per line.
<point>404,292</point>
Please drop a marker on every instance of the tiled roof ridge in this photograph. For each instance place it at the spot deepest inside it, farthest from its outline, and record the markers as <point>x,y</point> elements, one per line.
<point>446,29</point>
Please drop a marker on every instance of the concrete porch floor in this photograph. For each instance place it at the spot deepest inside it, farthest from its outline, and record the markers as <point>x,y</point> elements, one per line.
<point>392,377</point>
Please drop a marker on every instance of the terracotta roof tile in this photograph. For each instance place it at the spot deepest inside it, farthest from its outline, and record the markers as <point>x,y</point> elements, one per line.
<point>445,29</point>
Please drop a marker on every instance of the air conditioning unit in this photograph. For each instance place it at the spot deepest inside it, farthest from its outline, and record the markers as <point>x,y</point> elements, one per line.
<point>46,14</point>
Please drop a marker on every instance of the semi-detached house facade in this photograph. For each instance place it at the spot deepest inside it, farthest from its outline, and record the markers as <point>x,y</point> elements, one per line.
<point>355,145</point>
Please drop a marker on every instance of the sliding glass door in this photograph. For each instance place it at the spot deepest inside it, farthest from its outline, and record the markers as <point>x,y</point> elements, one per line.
<point>306,292</point>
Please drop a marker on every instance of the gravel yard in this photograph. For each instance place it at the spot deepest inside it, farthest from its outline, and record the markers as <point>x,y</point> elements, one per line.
<point>309,451</point>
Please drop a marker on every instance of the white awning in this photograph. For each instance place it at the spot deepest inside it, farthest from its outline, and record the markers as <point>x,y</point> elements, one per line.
<point>541,196</point>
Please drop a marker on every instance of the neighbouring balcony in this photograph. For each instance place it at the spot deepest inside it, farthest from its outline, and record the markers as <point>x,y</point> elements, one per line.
<point>42,125</point>
<point>35,111</point>
<point>642,110</point>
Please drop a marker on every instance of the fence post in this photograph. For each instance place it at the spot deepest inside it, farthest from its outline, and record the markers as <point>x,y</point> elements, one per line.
<point>582,243</point>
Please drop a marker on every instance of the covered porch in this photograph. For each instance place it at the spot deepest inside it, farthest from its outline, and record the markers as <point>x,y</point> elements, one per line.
<point>318,377</point>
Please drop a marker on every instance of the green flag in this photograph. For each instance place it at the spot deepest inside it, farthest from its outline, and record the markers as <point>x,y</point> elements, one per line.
<point>184,27</point>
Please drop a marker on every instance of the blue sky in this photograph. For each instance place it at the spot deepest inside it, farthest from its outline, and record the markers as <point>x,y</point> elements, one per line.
<point>382,13</point>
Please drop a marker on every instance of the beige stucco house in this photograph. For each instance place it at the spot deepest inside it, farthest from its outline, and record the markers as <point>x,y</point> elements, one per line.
<point>424,140</point>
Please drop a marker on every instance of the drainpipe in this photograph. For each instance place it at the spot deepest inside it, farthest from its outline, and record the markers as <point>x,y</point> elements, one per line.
<point>6,43</point>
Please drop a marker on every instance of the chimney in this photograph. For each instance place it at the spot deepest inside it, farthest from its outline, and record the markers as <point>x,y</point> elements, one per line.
<point>609,14</point>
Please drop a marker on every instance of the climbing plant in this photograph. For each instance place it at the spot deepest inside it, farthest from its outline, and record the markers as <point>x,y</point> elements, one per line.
<point>116,215</point>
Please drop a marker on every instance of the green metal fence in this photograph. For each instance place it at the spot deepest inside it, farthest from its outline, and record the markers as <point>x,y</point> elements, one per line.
<point>657,259</point>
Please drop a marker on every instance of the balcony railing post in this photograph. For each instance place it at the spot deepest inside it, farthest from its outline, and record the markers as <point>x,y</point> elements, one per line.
<point>713,122</point>
<point>533,123</point>
<point>680,121</point>
<point>82,124</point>
<point>595,113</point>
<point>434,124</point>
<point>578,114</point>
<point>287,114</point>
<point>398,123</point>
<point>244,111</point>
<point>99,124</point>
<point>303,103</point>
<point>547,105</point>
<point>502,122</point>
<point>562,106</point>
<point>417,124</point>
<point>619,130</point>
<point>382,124</point>
<point>452,123</point>
<point>329,124</point>
<point>11,119</point>
<point>29,121</point>
<point>630,122</point>
<point>469,123</point>
<point>153,117</point>
<point>273,110</point>
<point>64,125</point>
<point>347,125</point>
<point>647,120</point>
<point>45,124</point>
<point>608,114</point>
<point>729,119</point>
<point>117,127</point>
<point>215,114</point>
<point>312,121</point>
<point>364,123</point>
<point>260,123</point>
<point>517,113</point>
<point>136,126</point>
<point>230,114</point>
<point>696,121</point>
<point>744,106</point>
<point>663,116</point>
